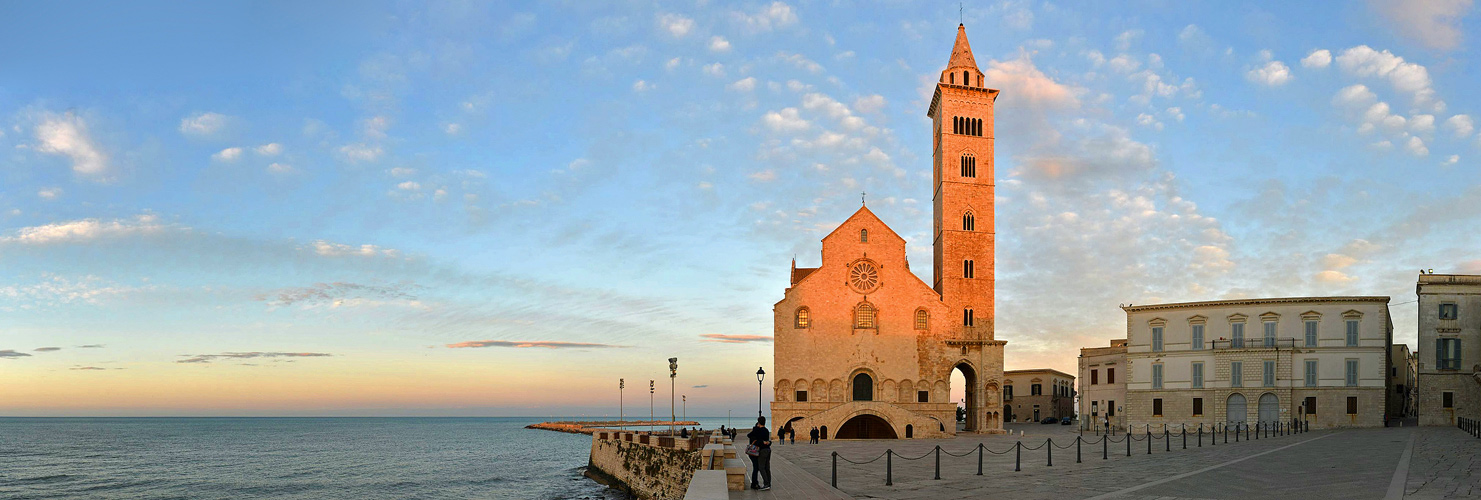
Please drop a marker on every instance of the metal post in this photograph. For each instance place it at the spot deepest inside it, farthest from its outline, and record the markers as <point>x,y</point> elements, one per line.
<point>979,458</point>
<point>889,467</point>
<point>1185,438</point>
<point>1166,439</point>
<point>1017,456</point>
<point>1149,440</point>
<point>1246,431</point>
<point>1236,434</point>
<point>1077,449</point>
<point>1104,447</point>
<point>1200,435</point>
<point>938,461</point>
<point>1049,448</point>
<point>835,469</point>
<point>1128,443</point>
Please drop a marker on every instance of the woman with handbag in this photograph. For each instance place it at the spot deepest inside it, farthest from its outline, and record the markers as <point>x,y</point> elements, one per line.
<point>760,452</point>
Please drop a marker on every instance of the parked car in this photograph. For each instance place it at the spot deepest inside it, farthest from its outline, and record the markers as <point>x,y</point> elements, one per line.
<point>1065,421</point>
<point>1049,420</point>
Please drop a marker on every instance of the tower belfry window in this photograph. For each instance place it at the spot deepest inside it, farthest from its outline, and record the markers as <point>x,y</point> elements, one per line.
<point>967,271</point>
<point>969,166</point>
<point>967,319</point>
<point>966,80</point>
<point>968,222</point>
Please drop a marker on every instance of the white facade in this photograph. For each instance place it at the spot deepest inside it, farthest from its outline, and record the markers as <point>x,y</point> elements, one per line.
<point>1252,360</point>
<point>1450,348</point>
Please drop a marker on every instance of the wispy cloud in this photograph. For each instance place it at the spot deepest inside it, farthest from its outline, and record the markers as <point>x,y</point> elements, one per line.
<point>531,343</point>
<point>47,349</point>
<point>735,339</point>
<point>10,353</point>
<point>339,293</point>
<point>91,346</point>
<point>207,358</point>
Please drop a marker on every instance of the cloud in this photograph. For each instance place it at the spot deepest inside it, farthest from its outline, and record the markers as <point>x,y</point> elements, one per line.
<point>204,124</point>
<point>801,62</point>
<point>869,104</point>
<point>1405,77</point>
<point>775,15</point>
<point>675,24</point>
<point>84,230</point>
<point>642,86</point>
<point>361,152</point>
<point>10,353</point>
<point>228,154</point>
<point>67,135</point>
<point>785,120</point>
<point>1434,23</point>
<point>719,44</point>
<point>338,294</point>
<point>331,249</point>
<point>269,149</point>
<point>91,368</point>
<point>1028,84</point>
<point>280,168</point>
<point>1461,125</point>
<point>1272,74</point>
<point>1330,276</point>
<point>542,344</point>
<point>700,386</point>
<point>49,193</point>
<point>746,84</point>
<point>1453,159</point>
<point>1126,38</point>
<point>47,349</point>
<point>767,175</point>
<point>1319,58</point>
<point>735,339</point>
<point>207,358</point>
<point>1416,147</point>
<point>91,346</point>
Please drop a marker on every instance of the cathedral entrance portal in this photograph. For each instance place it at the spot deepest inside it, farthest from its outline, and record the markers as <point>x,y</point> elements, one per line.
<point>866,427</point>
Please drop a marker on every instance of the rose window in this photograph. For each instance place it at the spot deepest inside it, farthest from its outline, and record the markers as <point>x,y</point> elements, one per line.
<point>864,277</point>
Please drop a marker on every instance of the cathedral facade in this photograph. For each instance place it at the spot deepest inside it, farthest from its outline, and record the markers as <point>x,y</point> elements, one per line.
<point>864,348</point>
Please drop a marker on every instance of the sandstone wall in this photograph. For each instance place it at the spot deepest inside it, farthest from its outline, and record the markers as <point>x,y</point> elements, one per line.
<point>650,472</point>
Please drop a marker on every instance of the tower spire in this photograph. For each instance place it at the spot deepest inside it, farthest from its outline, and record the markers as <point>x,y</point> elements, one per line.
<point>961,52</point>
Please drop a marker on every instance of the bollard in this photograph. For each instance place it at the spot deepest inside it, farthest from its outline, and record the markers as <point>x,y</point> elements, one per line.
<point>1017,456</point>
<point>889,467</point>
<point>938,461</point>
<point>835,469</point>
<point>1185,438</point>
<point>1246,431</point>
<point>1236,434</point>
<point>1257,430</point>
<point>979,458</point>
<point>1128,443</point>
<point>1049,448</point>
<point>1200,435</point>
<point>1077,449</point>
<point>1104,448</point>
<point>1166,439</point>
<point>1149,441</point>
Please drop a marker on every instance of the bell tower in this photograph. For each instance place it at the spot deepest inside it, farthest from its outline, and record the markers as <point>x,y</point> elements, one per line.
<point>965,236</point>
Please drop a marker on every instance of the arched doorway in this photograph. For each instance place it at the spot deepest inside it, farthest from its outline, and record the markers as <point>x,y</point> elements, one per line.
<point>964,391</point>
<point>1007,413</point>
<point>1269,409</point>
<point>866,427</point>
<point>1237,411</point>
<point>863,388</point>
<point>909,431</point>
<point>823,432</point>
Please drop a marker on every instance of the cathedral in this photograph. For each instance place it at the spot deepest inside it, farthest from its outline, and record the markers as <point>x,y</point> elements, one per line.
<point>864,348</point>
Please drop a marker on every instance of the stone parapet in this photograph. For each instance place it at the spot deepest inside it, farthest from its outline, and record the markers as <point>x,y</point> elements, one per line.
<point>647,466</point>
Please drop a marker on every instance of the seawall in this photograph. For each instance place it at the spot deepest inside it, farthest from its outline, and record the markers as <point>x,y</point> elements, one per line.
<point>650,467</point>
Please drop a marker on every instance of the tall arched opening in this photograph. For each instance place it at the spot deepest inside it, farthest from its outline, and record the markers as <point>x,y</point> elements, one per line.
<point>964,393</point>
<point>1269,409</point>
<point>1237,409</point>
<point>863,388</point>
<point>866,427</point>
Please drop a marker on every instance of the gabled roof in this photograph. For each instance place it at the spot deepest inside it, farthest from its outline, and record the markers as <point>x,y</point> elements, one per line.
<point>961,51</point>
<point>863,212</point>
<point>798,273</point>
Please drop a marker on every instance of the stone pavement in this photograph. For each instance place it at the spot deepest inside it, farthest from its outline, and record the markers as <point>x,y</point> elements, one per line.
<point>1358,463</point>
<point>788,481</point>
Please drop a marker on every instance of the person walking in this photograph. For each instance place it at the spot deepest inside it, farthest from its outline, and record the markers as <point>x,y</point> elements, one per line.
<point>791,434</point>
<point>812,436</point>
<point>760,453</point>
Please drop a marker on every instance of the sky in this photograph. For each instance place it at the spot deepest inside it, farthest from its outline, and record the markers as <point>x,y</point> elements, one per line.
<point>471,208</point>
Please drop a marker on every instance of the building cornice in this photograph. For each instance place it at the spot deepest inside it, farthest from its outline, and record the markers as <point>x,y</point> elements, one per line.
<point>1257,302</point>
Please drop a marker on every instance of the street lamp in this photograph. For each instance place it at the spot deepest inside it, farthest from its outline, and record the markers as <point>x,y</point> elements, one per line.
<point>650,405</point>
<point>621,384</point>
<point>684,400</point>
<point>673,374</point>
<point>760,375</point>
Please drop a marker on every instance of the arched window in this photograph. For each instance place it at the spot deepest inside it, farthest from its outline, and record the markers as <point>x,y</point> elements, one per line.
<point>966,80</point>
<point>863,387</point>
<point>968,222</point>
<point>969,166</point>
<point>967,317</point>
<point>804,319</point>
<point>967,270</point>
<point>979,79</point>
<point>864,315</point>
<point>922,319</point>
<point>952,76</point>
<point>863,236</point>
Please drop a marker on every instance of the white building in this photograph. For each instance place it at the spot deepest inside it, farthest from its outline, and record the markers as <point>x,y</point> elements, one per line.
<point>1450,330</point>
<point>1259,360</point>
<point>1101,391</point>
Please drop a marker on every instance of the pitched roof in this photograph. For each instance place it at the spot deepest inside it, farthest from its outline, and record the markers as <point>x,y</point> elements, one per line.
<point>961,52</point>
<point>798,273</point>
<point>862,212</point>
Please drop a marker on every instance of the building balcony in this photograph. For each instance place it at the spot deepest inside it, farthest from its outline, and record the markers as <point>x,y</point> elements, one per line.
<point>1254,343</point>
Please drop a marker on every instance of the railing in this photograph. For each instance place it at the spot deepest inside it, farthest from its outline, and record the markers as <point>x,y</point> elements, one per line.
<point>1253,343</point>
<point>1471,426</point>
<point>1214,433</point>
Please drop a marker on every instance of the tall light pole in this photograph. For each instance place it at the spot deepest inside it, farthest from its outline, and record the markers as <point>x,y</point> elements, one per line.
<point>621,384</point>
<point>650,405</point>
<point>684,399</point>
<point>673,375</point>
<point>760,375</point>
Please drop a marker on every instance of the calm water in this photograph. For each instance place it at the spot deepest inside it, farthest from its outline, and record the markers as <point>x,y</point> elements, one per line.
<point>304,458</point>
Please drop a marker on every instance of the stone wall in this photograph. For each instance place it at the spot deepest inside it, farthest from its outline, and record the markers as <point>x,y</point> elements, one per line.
<point>636,463</point>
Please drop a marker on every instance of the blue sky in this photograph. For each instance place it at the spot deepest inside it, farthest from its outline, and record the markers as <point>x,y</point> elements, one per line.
<point>278,208</point>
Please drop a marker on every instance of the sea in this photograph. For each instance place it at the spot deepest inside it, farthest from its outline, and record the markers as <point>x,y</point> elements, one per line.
<point>355,458</point>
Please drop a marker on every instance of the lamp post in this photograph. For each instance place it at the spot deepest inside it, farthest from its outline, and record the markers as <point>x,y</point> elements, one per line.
<point>760,375</point>
<point>684,401</point>
<point>621,384</point>
<point>650,405</point>
<point>673,375</point>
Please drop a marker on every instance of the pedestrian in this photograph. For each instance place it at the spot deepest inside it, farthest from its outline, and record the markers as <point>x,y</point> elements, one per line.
<point>760,452</point>
<point>791,434</point>
<point>812,436</point>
